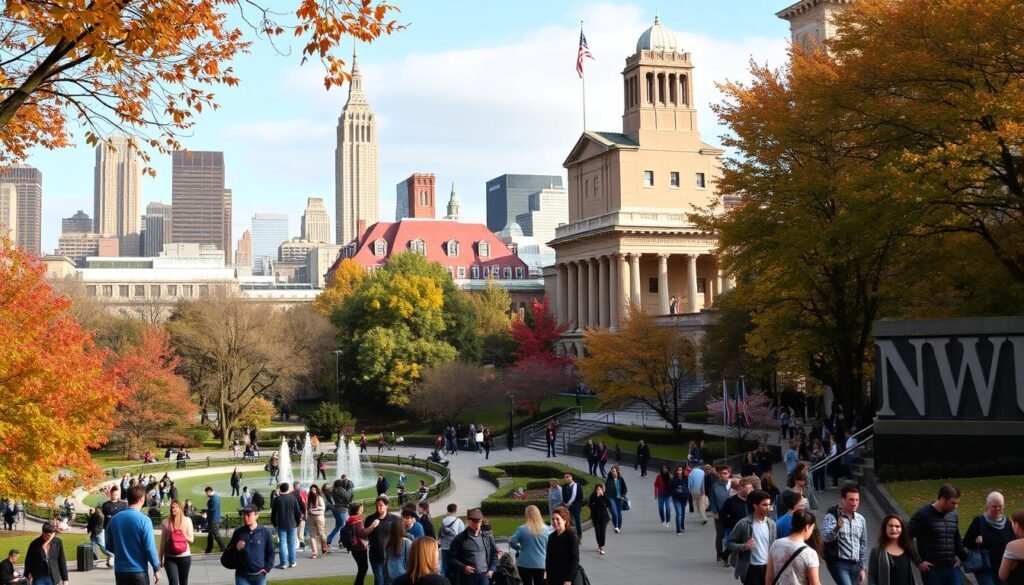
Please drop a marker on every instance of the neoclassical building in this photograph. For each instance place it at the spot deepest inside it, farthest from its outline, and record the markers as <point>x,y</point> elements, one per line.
<point>629,239</point>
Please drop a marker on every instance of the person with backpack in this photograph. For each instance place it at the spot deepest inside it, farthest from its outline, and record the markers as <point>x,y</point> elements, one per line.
<point>451,526</point>
<point>846,539</point>
<point>176,535</point>
<point>340,498</point>
<point>250,552</point>
<point>352,538</point>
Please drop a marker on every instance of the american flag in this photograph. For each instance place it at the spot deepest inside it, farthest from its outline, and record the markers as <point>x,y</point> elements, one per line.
<point>583,52</point>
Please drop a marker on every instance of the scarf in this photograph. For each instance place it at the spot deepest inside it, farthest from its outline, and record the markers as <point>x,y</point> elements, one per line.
<point>999,524</point>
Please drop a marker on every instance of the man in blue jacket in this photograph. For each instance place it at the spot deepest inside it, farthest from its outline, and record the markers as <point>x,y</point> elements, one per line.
<point>253,550</point>
<point>213,520</point>
<point>132,542</point>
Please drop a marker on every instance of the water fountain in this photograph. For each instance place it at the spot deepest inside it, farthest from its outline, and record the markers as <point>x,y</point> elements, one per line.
<point>340,463</point>
<point>284,458</point>
<point>307,463</point>
<point>354,469</point>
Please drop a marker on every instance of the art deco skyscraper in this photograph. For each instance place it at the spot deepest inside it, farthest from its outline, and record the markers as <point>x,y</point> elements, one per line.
<point>356,164</point>
<point>201,204</point>
<point>159,217</point>
<point>9,212</point>
<point>28,181</point>
<point>243,253</point>
<point>116,186</point>
<point>316,224</point>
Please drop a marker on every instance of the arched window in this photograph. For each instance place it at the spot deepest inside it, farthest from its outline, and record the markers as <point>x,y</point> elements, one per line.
<point>672,89</point>
<point>418,246</point>
<point>650,88</point>
<point>380,248</point>
<point>684,92</point>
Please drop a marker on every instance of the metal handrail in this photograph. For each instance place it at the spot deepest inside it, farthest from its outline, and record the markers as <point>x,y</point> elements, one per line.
<point>840,454</point>
<point>526,433</point>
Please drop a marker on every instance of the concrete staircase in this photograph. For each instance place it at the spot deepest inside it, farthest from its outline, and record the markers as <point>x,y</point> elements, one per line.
<point>571,430</point>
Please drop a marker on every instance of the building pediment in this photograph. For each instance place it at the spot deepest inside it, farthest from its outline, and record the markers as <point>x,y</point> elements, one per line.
<point>591,144</point>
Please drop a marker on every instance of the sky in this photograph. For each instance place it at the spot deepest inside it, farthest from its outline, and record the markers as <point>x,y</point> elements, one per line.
<point>471,90</point>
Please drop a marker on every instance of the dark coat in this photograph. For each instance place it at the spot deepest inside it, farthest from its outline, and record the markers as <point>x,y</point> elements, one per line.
<point>563,557</point>
<point>285,512</point>
<point>53,565</point>
<point>937,536</point>
<point>599,510</point>
<point>463,550</point>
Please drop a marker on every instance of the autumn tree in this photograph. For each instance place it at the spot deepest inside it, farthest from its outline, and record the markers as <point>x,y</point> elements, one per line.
<point>448,390</point>
<point>493,319</point>
<point>58,402</point>
<point>147,68</point>
<point>346,281</point>
<point>155,406</point>
<point>534,379</point>
<point>642,361</point>
<point>537,336</point>
<point>257,415</point>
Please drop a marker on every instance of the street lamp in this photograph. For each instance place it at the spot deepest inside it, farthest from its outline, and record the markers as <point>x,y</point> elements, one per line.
<point>511,415</point>
<point>337,376</point>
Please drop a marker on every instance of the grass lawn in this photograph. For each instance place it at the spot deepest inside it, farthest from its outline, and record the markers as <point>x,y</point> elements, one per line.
<point>911,495</point>
<point>496,417</point>
<point>671,452</point>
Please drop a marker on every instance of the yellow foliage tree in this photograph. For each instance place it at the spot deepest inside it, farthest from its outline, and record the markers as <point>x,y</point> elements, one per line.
<point>641,361</point>
<point>347,279</point>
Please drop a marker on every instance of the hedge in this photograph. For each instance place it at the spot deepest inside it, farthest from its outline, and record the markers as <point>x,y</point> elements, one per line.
<point>528,475</point>
<point>655,436</point>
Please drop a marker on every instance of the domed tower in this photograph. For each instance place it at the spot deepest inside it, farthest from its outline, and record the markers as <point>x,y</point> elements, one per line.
<point>658,90</point>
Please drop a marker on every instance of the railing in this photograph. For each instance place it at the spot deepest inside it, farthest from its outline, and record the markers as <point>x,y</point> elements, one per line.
<point>866,434</point>
<point>526,434</point>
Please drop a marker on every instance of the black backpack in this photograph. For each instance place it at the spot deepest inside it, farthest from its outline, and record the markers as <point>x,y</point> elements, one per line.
<point>347,537</point>
<point>832,548</point>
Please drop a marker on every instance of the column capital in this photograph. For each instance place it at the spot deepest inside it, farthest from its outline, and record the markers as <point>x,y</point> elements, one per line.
<point>664,255</point>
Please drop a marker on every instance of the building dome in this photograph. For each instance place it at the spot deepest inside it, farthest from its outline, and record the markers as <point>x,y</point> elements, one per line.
<point>658,38</point>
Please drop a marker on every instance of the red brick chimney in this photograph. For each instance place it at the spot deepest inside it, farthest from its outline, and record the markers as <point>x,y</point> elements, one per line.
<point>360,231</point>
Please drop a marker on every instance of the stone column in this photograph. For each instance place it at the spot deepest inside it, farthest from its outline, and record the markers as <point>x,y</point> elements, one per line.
<point>602,291</point>
<point>691,283</point>
<point>593,311</point>
<point>581,295</point>
<point>663,284</point>
<point>563,297</point>
<point>634,279</point>
<point>719,280</point>
<point>572,313</point>
<point>621,290</point>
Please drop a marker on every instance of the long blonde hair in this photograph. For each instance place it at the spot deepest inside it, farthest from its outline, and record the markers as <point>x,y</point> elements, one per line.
<point>422,558</point>
<point>179,522</point>
<point>534,521</point>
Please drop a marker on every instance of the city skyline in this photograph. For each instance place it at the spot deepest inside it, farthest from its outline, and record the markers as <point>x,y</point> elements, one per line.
<point>467,124</point>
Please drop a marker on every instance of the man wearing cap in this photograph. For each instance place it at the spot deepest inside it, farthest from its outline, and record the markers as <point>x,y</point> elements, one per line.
<point>252,546</point>
<point>377,528</point>
<point>132,543</point>
<point>8,574</point>
<point>473,556</point>
<point>44,561</point>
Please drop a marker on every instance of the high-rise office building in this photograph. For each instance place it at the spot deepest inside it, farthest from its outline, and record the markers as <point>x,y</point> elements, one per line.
<point>243,253</point>
<point>78,246</point>
<point>548,209</point>
<point>227,227</point>
<point>79,223</point>
<point>415,197</point>
<point>269,231</point>
<point>316,224</point>
<point>159,217</point>
<point>9,212</point>
<point>28,181</point>
<point>116,186</point>
<point>508,196</point>
<point>199,200</point>
<point>356,164</point>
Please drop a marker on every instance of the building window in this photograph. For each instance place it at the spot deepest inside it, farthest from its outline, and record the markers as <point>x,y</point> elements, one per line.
<point>519,271</point>
<point>487,272</point>
<point>108,290</point>
<point>648,178</point>
<point>506,272</point>
<point>122,291</point>
<point>699,180</point>
<point>673,179</point>
<point>652,285</point>
<point>476,272</point>
<point>140,290</point>
<point>154,291</point>
<point>186,290</point>
<point>453,248</point>
<point>204,290</point>
<point>418,246</point>
<point>380,248</point>
<point>702,284</point>
<point>586,188</point>
<point>597,186</point>
<point>91,290</point>
<point>172,290</point>
<point>484,249</point>
<point>462,272</point>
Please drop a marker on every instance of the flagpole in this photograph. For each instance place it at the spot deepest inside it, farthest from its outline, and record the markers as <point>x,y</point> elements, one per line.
<point>583,83</point>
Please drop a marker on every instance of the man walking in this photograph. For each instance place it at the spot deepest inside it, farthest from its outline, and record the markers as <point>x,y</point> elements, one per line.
<point>549,436</point>
<point>591,453</point>
<point>285,515</point>
<point>737,507</point>
<point>935,529</point>
<point>643,455</point>
<point>133,544</point>
<point>253,550</point>
<point>750,539</point>
<point>44,561</point>
<point>473,554</point>
<point>378,526</point>
<point>717,497</point>
<point>341,497</point>
<point>213,520</point>
<point>94,528</point>
<point>697,498</point>
<point>846,539</point>
<point>451,526</point>
<point>109,508</point>
<point>572,498</point>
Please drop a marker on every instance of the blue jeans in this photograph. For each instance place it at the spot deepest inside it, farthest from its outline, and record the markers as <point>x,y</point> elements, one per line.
<point>339,522</point>
<point>844,572</point>
<point>97,540</point>
<point>241,579</point>
<point>942,576</point>
<point>664,511</point>
<point>988,577</point>
<point>286,545</point>
<point>616,505</point>
<point>680,506</point>
<point>444,564</point>
<point>474,579</point>
<point>378,572</point>
<point>42,580</point>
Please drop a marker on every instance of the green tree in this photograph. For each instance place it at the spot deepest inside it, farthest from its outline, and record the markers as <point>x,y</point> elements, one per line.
<point>328,419</point>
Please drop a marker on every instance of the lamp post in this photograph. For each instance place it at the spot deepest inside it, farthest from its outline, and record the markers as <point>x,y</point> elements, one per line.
<point>337,376</point>
<point>511,415</point>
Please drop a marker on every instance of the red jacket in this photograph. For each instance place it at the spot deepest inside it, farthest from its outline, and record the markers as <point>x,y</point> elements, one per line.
<point>660,486</point>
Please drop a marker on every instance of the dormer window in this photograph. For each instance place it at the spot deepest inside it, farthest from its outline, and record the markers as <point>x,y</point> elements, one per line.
<point>453,248</point>
<point>380,248</point>
<point>506,272</point>
<point>484,249</point>
<point>418,246</point>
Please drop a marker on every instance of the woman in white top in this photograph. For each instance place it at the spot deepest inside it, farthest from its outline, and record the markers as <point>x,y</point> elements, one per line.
<point>315,512</point>
<point>176,536</point>
<point>793,560</point>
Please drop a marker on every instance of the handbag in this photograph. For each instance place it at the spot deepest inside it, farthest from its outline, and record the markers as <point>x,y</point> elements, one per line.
<point>581,576</point>
<point>977,559</point>
<point>791,558</point>
<point>626,505</point>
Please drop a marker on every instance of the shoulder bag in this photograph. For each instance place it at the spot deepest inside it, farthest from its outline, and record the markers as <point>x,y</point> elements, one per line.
<point>977,559</point>
<point>791,558</point>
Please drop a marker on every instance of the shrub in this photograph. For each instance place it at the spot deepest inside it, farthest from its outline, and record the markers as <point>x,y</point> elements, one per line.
<point>655,436</point>
<point>325,421</point>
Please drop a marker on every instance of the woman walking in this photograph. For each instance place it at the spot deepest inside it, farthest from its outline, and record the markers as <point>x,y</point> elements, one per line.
<point>176,535</point>
<point>236,482</point>
<point>662,494</point>
<point>817,455</point>
<point>890,561</point>
<point>679,487</point>
<point>316,505</point>
<point>554,495</point>
<point>1011,569</point>
<point>531,541</point>
<point>422,565</point>
<point>562,558</point>
<point>602,457</point>
<point>600,514</point>
<point>359,550</point>
<point>396,553</point>
<point>793,560</point>
<point>615,489</point>
<point>989,534</point>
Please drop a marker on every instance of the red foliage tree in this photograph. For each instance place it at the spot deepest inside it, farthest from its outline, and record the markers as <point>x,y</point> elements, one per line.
<point>535,378</point>
<point>58,401</point>
<point>538,340</point>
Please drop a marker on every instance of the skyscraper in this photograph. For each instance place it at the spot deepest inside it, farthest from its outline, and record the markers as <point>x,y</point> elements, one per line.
<point>243,253</point>
<point>116,186</point>
<point>269,231</point>
<point>508,196</point>
<point>356,181</point>
<point>227,227</point>
<point>316,224</point>
<point>159,218</point>
<point>79,223</point>
<point>9,212</point>
<point>29,183</point>
<point>199,199</point>
<point>415,197</point>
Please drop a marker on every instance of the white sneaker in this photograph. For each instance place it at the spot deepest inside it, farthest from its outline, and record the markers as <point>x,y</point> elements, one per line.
<point>291,566</point>
<point>616,531</point>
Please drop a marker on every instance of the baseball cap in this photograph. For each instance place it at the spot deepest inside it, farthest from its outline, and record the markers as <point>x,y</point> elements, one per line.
<point>247,509</point>
<point>475,514</point>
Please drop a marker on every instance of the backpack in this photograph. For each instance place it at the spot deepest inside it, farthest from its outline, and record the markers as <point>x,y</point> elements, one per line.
<point>347,537</point>
<point>832,548</point>
<point>177,545</point>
